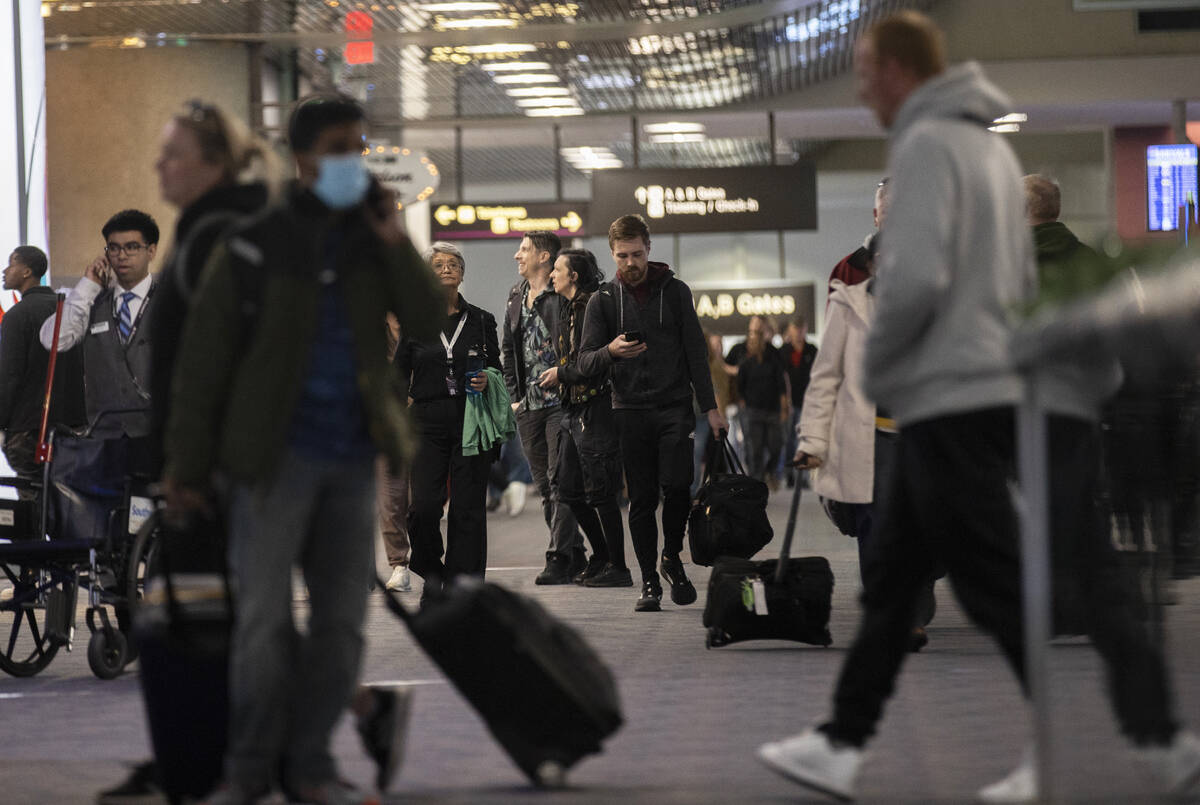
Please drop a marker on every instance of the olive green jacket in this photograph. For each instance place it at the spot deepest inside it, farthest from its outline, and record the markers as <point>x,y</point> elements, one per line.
<point>246,344</point>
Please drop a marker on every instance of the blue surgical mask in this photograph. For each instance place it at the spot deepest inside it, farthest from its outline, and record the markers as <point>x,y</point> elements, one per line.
<point>342,180</point>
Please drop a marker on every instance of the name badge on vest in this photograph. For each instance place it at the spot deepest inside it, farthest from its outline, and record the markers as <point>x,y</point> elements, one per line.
<point>99,327</point>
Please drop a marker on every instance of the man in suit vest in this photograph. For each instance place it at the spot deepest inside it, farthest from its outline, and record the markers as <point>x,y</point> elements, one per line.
<point>103,312</point>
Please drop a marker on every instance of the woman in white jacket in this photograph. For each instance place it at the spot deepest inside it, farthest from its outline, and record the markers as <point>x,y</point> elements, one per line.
<point>843,434</point>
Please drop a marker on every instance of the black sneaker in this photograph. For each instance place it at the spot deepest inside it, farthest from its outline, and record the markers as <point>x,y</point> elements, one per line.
<point>594,566</point>
<point>578,563</point>
<point>610,577</point>
<point>383,730</point>
<point>556,572</point>
<point>682,591</point>
<point>140,786</point>
<point>651,597</point>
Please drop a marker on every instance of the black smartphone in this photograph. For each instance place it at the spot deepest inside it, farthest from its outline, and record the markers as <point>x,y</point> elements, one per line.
<point>634,335</point>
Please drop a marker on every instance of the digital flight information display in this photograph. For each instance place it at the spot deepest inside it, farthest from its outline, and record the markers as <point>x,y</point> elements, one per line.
<point>1170,183</point>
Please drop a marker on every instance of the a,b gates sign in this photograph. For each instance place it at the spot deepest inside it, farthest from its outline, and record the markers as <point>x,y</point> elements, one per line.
<point>726,310</point>
<point>750,199</point>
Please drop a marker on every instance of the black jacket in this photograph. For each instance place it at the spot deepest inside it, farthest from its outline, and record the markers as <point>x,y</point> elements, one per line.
<point>575,388</point>
<point>422,364</point>
<point>199,228</point>
<point>23,365</point>
<point>547,306</point>
<point>674,366</point>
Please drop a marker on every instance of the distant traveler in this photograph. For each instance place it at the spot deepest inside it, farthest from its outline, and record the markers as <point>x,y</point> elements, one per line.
<point>642,327</point>
<point>765,403</point>
<point>956,259</point>
<point>589,461</point>
<point>23,365</point>
<point>798,356</point>
<point>438,372</point>
<point>529,318</point>
<point>292,408</point>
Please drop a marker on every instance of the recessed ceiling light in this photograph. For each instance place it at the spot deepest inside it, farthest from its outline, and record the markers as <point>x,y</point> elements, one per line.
<point>477,22</point>
<point>1005,128</point>
<point>1015,117</point>
<point>513,66</point>
<point>526,103</point>
<point>555,111</point>
<point>526,78</point>
<point>536,92</point>
<point>466,5</point>
<point>506,47</point>
<point>674,127</point>
<point>677,138</point>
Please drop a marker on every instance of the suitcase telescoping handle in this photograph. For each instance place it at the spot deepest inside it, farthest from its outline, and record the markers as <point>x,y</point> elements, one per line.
<point>786,550</point>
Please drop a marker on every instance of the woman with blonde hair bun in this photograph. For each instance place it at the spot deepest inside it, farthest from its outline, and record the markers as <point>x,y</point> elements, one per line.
<point>215,172</point>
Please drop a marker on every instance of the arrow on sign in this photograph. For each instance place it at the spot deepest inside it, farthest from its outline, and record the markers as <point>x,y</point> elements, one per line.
<point>445,216</point>
<point>571,221</point>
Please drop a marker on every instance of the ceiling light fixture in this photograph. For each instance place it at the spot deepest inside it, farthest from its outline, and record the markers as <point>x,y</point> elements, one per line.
<point>678,137</point>
<point>505,47</point>
<point>555,111</point>
<point>536,92</point>
<point>1005,128</point>
<point>477,22</point>
<point>674,127</point>
<point>513,66</point>
<point>527,103</point>
<point>525,78</point>
<point>1014,117</point>
<point>465,6</point>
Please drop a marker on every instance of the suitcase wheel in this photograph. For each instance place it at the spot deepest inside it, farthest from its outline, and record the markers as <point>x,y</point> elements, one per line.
<point>715,637</point>
<point>551,774</point>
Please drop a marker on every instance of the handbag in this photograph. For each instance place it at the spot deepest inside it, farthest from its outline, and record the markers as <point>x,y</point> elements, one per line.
<point>729,515</point>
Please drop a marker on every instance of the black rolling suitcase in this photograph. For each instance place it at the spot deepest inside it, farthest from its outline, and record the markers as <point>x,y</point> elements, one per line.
<point>543,692</point>
<point>784,599</point>
<point>182,630</point>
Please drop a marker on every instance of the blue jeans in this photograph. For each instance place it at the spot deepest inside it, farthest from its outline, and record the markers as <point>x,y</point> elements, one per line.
<point>287,690</point>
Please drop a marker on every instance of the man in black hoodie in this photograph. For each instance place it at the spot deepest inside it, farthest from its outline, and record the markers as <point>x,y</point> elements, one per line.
<point>23,365</point>
<point>643,328</point>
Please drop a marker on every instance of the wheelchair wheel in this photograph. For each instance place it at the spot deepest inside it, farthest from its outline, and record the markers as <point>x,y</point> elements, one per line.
<point>35,621</point>
<point>106,653</point>
<point>143,558</point>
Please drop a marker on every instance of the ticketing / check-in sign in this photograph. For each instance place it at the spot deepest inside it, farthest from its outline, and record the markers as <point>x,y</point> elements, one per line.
<point>487,221</point>
<point>747,199</point>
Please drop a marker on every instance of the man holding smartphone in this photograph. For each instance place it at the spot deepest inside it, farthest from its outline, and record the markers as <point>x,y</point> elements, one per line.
<point>643,327</point>
<point>104,312</point>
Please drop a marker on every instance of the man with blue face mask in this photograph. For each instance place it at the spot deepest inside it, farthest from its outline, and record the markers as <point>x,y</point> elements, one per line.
<point>283,386</point>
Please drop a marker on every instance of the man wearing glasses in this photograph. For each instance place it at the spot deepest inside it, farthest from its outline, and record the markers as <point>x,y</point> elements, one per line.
<point>104,312</point>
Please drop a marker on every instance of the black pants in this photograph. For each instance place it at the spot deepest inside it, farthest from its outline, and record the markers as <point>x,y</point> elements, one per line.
<point>589,476</point>
<point>20,450</point>
<point>440,468</point>
<point>949,500</point>
<point>764,440</point>
<point>656,452</point>
<point>539,439</point>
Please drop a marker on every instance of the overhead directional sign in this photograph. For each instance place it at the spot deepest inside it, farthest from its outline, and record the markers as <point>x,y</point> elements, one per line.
<point>726,309</point>
<point>479,221</point>
<point>749,199</point>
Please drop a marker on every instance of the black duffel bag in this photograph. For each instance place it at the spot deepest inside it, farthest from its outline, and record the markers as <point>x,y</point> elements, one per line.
<point>729,514</point>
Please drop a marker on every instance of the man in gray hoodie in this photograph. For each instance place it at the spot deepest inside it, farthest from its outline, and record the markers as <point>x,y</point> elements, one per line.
<point>957,259</point>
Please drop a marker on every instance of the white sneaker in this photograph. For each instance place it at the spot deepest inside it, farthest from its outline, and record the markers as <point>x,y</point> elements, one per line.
<point>1176,766</point>
<point>400,580</point>
<point>812,760</point>
<point>1019,786</point>
<point>516,494</point>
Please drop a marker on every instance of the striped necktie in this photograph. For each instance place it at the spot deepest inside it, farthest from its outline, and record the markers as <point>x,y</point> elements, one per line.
<point>125,317</point>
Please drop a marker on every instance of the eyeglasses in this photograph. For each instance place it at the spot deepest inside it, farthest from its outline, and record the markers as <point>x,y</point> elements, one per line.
<point>132,249</point>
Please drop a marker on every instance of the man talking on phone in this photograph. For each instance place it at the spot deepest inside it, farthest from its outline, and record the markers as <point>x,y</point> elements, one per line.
<point>643,326</point>
<point>104,312</point>
<point>291,406</point>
